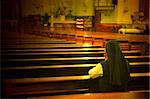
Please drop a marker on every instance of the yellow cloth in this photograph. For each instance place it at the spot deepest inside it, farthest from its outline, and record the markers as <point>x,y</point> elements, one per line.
<point>130,30</point>
<point>96,71</point>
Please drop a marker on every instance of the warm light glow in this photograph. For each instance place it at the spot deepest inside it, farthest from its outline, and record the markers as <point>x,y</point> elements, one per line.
<point>87,44</point>
<point>87,94</point>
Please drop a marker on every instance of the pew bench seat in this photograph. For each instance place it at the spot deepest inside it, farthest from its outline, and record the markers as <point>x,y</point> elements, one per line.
<point>59,79</point>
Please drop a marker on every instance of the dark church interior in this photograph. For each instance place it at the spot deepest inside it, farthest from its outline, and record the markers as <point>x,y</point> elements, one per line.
<point>48,47</point>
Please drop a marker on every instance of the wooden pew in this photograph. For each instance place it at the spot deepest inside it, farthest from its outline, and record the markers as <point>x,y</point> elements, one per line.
<point>99,41</point>
<point>106,35</point>
<point>75,58</point>
<point>62,48</point>
<point>74,77</point>
<point>71,38</point>
<point>49,45</point>
<point>55,53</point>
<point>69,83</point>
<point>61,70</point>
<point>133,64</point>
<point>136,52</point>
<point>80,39</point>
<point>53,41</point>
<point>117,95</point>
<point>88,40</point>
<point>124,44</point>
<point>143,46</point>
<point>53,49</point>
<point>59,79</point>
<point>24,87</point>
<point>40,85</point>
